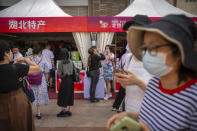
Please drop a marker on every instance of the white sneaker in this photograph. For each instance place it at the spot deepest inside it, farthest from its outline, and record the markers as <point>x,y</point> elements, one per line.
<point>119,110</point>
<point>106,97</point>
<point>110,95</point>
<point>114,109</point>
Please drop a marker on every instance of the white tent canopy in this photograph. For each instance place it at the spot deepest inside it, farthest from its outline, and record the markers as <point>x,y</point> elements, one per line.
<point>33,8</point>
<point>151,8</point>
<point>47,8</point>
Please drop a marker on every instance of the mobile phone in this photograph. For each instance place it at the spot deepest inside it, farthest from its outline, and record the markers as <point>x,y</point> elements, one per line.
<point>117,71</point>
<point>122,71</point>
<point>126,124</point>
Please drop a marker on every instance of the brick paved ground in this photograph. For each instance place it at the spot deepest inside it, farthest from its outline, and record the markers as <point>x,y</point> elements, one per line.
<point>86,117</point>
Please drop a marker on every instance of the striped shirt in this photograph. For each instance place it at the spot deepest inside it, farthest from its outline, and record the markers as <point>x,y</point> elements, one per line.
<point>170,110</point>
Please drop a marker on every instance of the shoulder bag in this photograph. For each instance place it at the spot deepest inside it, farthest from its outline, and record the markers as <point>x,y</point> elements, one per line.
<point>35,79</point>
<point>88,72</point>
<point>25,85</point>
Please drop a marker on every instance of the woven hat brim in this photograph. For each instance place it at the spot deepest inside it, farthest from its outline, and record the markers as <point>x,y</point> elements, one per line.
<point>135,38</point>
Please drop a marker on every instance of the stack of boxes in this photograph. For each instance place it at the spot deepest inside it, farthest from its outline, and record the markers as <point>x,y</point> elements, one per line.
<point>76,59</point>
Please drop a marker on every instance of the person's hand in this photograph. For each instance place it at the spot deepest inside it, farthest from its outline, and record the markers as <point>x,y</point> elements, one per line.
<point>108,51</point>
<point>99,51</point>
<point>20,60</point>
<point>143,126</point>
<point>114,119</point>
<point>127,78</point>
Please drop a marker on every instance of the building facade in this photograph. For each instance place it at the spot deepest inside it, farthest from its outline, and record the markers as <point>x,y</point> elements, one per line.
<point>186,5</point>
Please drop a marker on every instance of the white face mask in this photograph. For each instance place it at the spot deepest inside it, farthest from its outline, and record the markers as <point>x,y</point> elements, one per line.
<point>127,48</point>
<point>156,65</point>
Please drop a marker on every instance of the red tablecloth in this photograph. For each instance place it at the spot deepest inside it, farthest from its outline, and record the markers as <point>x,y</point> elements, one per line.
<point>78,86</point>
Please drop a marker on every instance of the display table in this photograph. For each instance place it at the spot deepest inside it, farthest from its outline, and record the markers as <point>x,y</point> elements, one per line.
<point>83,87</point>
<point>100,89</point>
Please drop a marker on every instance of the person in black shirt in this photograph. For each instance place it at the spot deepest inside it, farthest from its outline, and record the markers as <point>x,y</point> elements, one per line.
<point>94,64</point>
<point>16,111</point>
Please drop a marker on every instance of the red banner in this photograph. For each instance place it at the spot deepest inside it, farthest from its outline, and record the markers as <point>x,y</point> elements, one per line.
<point>64,24</point>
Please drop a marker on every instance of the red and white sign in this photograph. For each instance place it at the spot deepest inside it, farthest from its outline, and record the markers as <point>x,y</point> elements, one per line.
<point>25,24</point>
<point>64,24</point>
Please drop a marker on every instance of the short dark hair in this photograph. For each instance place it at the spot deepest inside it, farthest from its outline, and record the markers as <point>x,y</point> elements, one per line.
<point>37,50</point>
<point>64,55</point>
<point>15,46</point>
<point>4,47</point>
<point>183,72</point>
<point>47,44</point>
<point>108,46</point>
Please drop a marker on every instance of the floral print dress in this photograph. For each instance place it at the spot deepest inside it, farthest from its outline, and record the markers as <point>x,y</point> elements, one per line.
<point>40,91</point>
<point>108,67</point>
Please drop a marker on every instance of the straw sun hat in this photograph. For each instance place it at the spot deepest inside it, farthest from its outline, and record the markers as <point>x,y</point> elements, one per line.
<point>177,29</point>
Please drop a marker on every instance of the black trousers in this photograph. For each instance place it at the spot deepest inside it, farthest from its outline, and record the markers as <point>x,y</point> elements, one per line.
<point>94,75</point>
<point>119,98</point>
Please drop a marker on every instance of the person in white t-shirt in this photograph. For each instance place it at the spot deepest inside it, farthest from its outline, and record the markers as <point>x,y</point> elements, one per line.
<point>135,83</point>
<point>48,56</point>
<point>16,53</point>
<point>135,77</point>
<point>29,53</point>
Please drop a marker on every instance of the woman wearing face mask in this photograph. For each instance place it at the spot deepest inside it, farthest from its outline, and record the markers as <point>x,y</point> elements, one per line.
<point>166,48</point>
<point>15,108</point>
<point>40,91</point>
<point>108,70</point>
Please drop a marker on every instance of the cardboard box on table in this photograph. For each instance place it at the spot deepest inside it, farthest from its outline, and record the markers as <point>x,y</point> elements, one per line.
<point>74,55</point>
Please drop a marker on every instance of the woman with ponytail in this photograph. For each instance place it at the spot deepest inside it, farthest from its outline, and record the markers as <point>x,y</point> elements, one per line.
<point>94,64</point>
<point>66,91</point>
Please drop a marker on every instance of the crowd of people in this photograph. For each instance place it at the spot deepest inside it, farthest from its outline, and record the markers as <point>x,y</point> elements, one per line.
<point>157,73</point>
